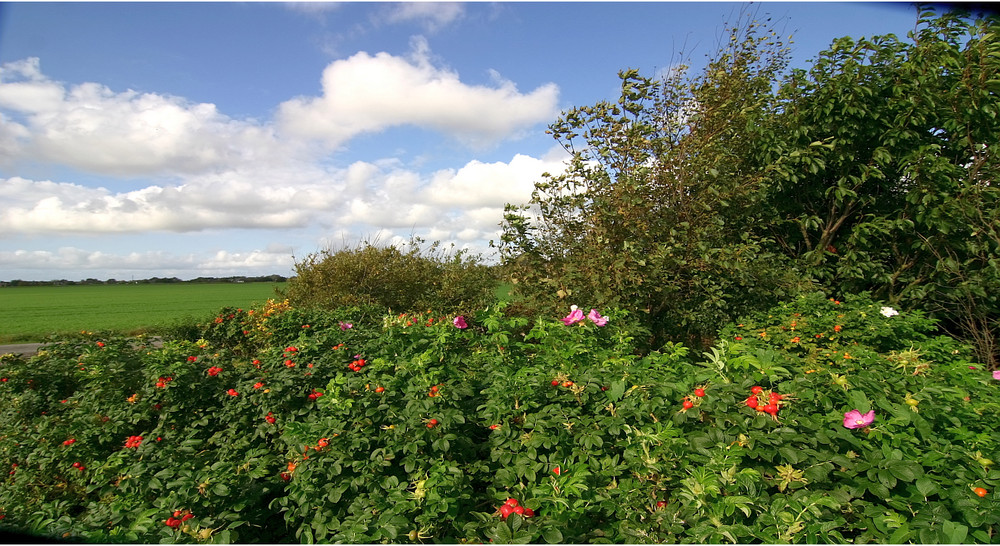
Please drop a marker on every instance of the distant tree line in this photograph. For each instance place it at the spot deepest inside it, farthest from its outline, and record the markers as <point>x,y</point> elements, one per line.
<point>151,280</point>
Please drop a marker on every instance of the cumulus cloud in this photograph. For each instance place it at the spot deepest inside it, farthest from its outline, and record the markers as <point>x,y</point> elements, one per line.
<point>363,194</point>
<point>366,93</point>
<point>193,169</point>
<point>90,127</point>
<point>479,184</point>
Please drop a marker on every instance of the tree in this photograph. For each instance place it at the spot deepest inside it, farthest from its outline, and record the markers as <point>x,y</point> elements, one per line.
<point>652,213</point>
<point>880,171</point>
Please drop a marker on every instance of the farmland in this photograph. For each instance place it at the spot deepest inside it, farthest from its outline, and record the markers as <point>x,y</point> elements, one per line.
<point>34,312</point>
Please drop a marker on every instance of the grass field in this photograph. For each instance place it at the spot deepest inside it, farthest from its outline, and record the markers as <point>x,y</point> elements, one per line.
<point>31,313</point>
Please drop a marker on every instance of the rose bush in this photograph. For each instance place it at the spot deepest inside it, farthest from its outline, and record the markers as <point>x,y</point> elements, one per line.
<point>820,420</point>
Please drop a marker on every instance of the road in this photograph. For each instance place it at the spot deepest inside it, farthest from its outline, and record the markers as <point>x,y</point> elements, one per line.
<point>20,348</point>
<point>29,349</point>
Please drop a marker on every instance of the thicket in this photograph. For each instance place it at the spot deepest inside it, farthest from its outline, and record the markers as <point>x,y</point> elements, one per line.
<point>816,421</point>
<point>697,199</point>
<point>400,278</point>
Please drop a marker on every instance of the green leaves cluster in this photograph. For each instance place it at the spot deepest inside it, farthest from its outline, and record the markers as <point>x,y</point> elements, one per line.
<point>393,277</point>
<point>697,199</point>
<point>879,171</point>
<point>574,421</point>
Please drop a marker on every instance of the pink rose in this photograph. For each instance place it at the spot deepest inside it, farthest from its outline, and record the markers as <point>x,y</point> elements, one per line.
<point>596,318</point>
<point>854,419</point>
<point>575,315</point>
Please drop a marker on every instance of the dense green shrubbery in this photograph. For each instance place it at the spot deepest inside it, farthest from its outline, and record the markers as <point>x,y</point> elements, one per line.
<point>697,199</point>
<point>391,278</point>
<point>275,430</point>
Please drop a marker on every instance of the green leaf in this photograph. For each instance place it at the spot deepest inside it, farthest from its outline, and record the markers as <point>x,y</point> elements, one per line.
<point>906,470</point>
<point>954,533</point>
<point>616,391</point>
<point>925,486</point>
<point>901,535</point>
<point>501,534</point>
<point>221,490</point>
<point>552,535</point>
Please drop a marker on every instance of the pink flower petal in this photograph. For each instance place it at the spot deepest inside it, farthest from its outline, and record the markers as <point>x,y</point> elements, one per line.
<point>596,318</point>
<point>576,315</point>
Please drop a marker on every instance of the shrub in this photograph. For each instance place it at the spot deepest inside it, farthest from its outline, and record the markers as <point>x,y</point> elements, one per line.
<point>392,279</point>
<point>421,427</point>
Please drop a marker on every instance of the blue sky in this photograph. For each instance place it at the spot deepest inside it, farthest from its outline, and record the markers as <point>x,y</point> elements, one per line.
<point>214,139</point>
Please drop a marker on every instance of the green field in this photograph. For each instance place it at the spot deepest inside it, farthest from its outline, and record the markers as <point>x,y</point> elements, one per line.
<point>31,313</point>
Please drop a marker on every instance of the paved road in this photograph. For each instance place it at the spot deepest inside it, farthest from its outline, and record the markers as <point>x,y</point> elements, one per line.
<point>20,348</point>
<point>29,349</point>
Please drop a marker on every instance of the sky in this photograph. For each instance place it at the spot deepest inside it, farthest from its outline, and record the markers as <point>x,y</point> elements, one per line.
<point>197,139</point>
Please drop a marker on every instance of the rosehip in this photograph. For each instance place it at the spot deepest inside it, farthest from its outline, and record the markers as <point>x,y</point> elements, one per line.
<point>752,402</point>
<point>506,510</point>
<point>555,382</point>
<point>982,492</point>
<point>511,502</point>
<point>757,389</point>
<point>699,392</point>
<point>688,404</point>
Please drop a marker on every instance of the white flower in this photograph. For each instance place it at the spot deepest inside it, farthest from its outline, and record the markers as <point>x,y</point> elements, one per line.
<point>889,312</point>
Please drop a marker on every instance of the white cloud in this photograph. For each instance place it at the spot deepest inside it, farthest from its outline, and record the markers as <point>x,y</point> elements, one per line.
<point>432,15</point>
<point>46,207</point>
<point>194,169</point>
<point>366,195</point>
<point>312,8</point>
<point>478,184</point>
<point>157,263</point>
<point>366,93</point>
<point>90,127</point>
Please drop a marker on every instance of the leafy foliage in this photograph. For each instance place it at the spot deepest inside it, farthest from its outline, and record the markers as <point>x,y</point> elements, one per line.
<point>696,200</point>
<point>653,211</point>
<point>393,277</point>
<point>880,171</point>
<point>411,428</point>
